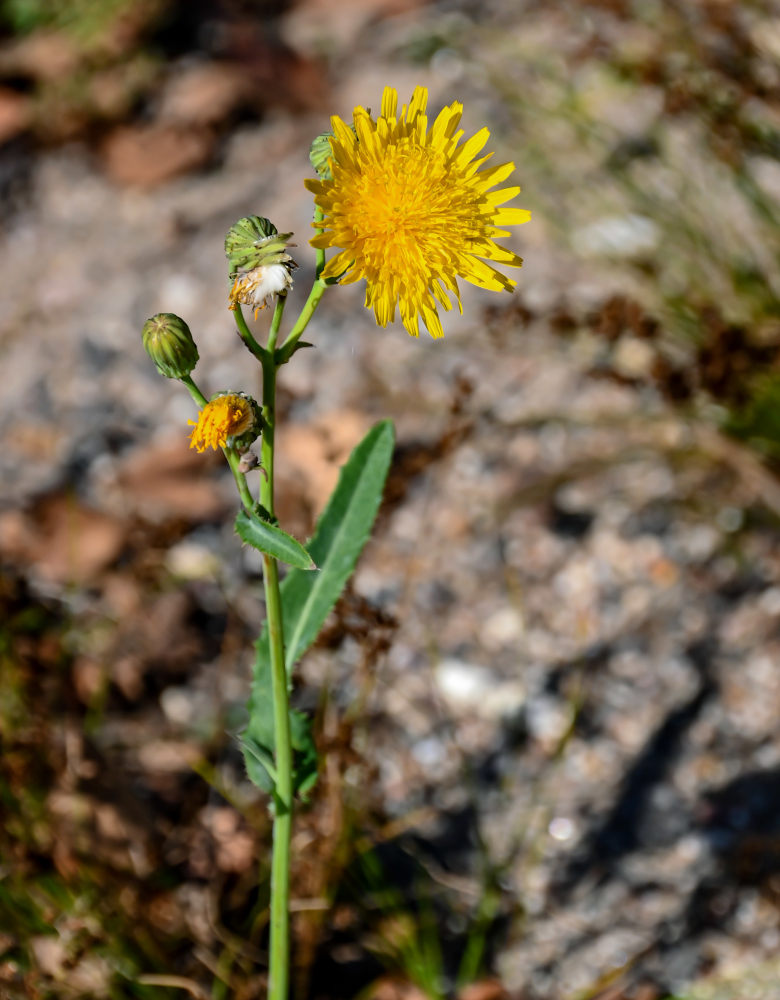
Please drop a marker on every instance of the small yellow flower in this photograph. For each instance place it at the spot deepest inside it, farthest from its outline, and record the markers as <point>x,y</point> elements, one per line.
<point>227,416</point>
<point>412,211</point>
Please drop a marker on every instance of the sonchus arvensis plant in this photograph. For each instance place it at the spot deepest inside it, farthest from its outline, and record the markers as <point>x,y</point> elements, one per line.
<point>408,207</point>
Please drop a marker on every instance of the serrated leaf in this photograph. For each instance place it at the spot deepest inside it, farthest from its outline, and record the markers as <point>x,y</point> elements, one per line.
<point>342,531</point>
<point>257,740</point>
<point>257,743</point>
<point>305,757</point>
<point>268,538</point>
<point>284,354</point>
<point>259,763</point>
<point>307,598</point>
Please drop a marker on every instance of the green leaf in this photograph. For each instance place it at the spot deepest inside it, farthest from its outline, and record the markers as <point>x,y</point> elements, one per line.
<point>307,598</point>
<point>257,742</point>
<point>305,757</point>
<point>259,763</point>
<point>266,537</point>
<point>342,531</point>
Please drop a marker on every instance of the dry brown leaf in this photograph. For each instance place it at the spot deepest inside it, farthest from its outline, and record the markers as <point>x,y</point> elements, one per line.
<point>15,113</point>
<point>64,540</point>
<point>89,679</point>
<point>313,454</point>
<point>486,989</point>
<point>42,55</point>
<point>391,988</point>
<point>147,155</point>
<point>168,479</point>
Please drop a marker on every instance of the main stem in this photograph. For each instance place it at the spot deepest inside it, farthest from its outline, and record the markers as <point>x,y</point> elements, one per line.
<point>271,359</point>
<point>279,971</point>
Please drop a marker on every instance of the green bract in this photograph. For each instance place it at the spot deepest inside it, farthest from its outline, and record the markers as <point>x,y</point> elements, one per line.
<point>253,241</point>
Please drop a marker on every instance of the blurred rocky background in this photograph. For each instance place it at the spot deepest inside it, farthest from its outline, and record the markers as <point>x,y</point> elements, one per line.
<point>548,706</point>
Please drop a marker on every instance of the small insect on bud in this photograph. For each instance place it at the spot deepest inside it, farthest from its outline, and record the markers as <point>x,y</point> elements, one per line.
<point>248,462</point>
<point>168,342</point>
<point>229,419</point>
<point>259,263</point>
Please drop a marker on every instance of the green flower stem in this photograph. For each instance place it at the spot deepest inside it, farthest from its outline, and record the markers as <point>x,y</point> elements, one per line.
<point>279,972</point>
<point>234,461</point>
<point>230,453</point>
<point>270,368</point>
<point>194,391</point>
<point>287,349</point>
<point>285,352</point>
<point>318,227</point>
<point>270,358</point>
<point>273,333</point>
<point>246,335</point>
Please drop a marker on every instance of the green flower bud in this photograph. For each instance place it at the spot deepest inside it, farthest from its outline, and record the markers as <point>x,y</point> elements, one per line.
<point>320,153</point>
<point>168,342</point>
<point>253,242</point>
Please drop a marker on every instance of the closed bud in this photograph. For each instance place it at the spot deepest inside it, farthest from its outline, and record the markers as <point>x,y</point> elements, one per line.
<point>319,155</point>
<point>168,342</point>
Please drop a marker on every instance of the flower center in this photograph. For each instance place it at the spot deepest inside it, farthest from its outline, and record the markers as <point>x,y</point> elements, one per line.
<point>403,212</point>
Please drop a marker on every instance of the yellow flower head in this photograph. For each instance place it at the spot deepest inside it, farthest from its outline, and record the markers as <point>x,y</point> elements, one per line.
<point>229,415</point>
<point>411,210</point>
